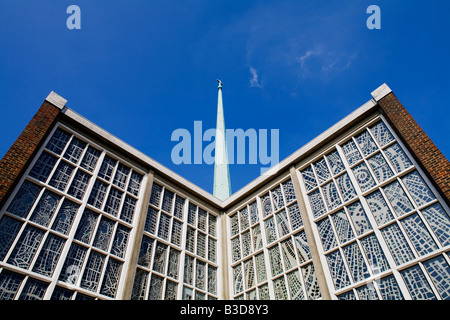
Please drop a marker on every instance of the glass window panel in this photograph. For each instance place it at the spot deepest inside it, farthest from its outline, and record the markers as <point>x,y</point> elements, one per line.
<point>188,269</point>
<point>49,255</point>
<point>139,285</point>
<point>381,133</point>
<point>93,271</point>
<point>212,249</point>
<point>173,263</point>
<point>98,194</point>
<point>282,223</point>
<point>177,228</point>
<point>342,226</point>
<point>301,244</point>
<point>212,220</point>
<point>355,261</point>
<point>46,207</point>
<point>398,199</point>
<point>9,228</point>
<point>398,158</point>
<point>145,252</point>
<point>192,212</point>
<point>234,224</point>
<point>389,289</point>
<point>359,218</point>
<point>61,293</point>
<point>322,170</point>
<point>159,261</point>
<point>439,221</point>
<point>419,235</point>
<point>380,167</point>
<point>111,278</point>
<point>9,284</point>
<point>212,280</point>
<point>254,215</point>
<point>439,271</point>
<point>58,141</point>
<point>104,234</point>
<point>279,288</point>
<point>201,244</point>
<point>179,207</point>
<point>311,282</point>
<point>61,176</point>
<point>289,191</point>
<point>33,290</point>
<point>238,279</point>
<point>246,243</point>
<point>79,184</point>
<point>418,189</point>
<point>260,268</point>
<point>128,209</point>
<point>335,162</point>
<point>86,226</point>
<point>264,292</point>
<point>43,166</point>
<point>397,244</point>
<point>326,234</point>
<point>171,290</point>
<point>379,208</point>
<point>266,205</point>
<point>155,195</point>
<point>236,249</point>
<point>277,197</point>
<point>275,261</point>
<point>167,201</point>
<point>317,204</point>
<point>249,274</point>
<point>73,263</point>
<point>351,152</point>
<point>288,252</point>
<point>295,285</point>
<point>187,293</point>
<point>120,178</point>
<point>350,295</point>
<point>156,284</point>
<point>375,255</point>
<point>346,187</point>
<point>190,239</point>
<point>24,199</point>
<point>150,220</point>
<point>417,284</point>
<point>90,159</point>
<point>120,242</point>
<point>243,218</point>
<point>113,203</point>
<point>364,177</point>
<point>202,220</point>
<point>309,179</point>
<point>337,269</point>
<point>107,168</point>
<point>74,150</point>
<point>164,225</point>
<point>331,195</point>
<point>26,247</point>
<point>270,230</point>
<point>366,143</point>
<point>257,237</point>
<point>295,216</point>
<point>367,292</point>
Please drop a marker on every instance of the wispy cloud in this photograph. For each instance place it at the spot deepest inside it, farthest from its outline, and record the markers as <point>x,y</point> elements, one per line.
<point>254,82</point>
<point>304,57</point>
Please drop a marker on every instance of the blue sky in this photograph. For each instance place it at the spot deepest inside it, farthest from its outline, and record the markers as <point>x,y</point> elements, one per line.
<point>141,69</point>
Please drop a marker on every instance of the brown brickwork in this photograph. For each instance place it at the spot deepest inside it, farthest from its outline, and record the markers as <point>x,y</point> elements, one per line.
<point>431,160</point>
<point>24,148</point>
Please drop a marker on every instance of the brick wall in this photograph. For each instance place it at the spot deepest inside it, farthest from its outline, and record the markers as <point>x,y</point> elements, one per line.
<point>432,161</point>
<point>24,148</point>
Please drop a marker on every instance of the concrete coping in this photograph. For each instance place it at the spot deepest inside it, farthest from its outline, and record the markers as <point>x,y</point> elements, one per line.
<point>56,100</point>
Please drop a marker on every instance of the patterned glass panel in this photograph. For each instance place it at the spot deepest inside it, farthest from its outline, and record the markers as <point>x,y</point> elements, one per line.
<point>243,218</point>
<point>397,197</point>
<point>277,197</point>
<point>418,189</point>
<point>350,295</point>
<point>254,215</point>
<point>9,284</point>
<point>107,168</point>
<point>301,244</point>
<point>177,228</point>
<point>33,290</point>
<point>288,252</point>
<point>439,221</point>
<point>275,261</point>
<point>351,152</point>
<point>343,226</point>
<point>439,271</point>
<point>26,247</point>
<point>155,196</point>
<point>173,263</point>
<point>295,285</point>
<point>24,199</point>
<point>398,157</point>
<point>367,292</point>
<point>8,231</point>
<point>150,220</point>
<point>104,234</point>
<point>72,265</point>
<point>366,143</point>
<point>45,208</point>
<point>98,194</point>
<point>188,269</point>
<point>44,165</point>
<point>279,287</point>
<point>282,223</point>
<point>120,178</point>
<point>49,255</point>
<point>289,192</point>
<point>257,237</point>
<point>190,239</point>
<point>156,284</point>
<point>159,261</point>
<point>167,201</point>
<point>364,177</point>
<point>419,235</point>
<point>322,170</point>
<point>238,279</point>
<point>249,274</point>
<point>93,271</point>
<point>270,230</point>
<point>111,278</point>
<point>145,252</point>
<point>128,209</point>
<point>417,284</point>
<point>311,282</point>
<point>139,286</point>
<point>374,253</point>
<point>179,207</point>
<point>337,268</point>
<point>346,187</point>
<point>234,224</point>
<point>113,202</point>
<point>309,179</point>
<point>246,243</point>
<point>192,212</point>
<point>60,293</point>
<point>61,177</point>
<point>163,229</point>
<point>331,195</point>
<point>201,244</point>
<point>264,292</point>
<point>266,204</point>
<point>379,208</point>
<point>317,204</point>
<point>260,268</point>
<point>381,134</point>
<point>295,216</point>
<point>212,280</point>
<point>90,159</point>
<point>235,249</point>
<point>389,289</point>
<point>397,244</point>
<point>119,245</point>
<point>335,162</point>
<point>355,260</point>
<point>58,141</point>
<point>326,234</point>
<point>79,184</point>
<point>212,249</point>
<point>380,167</point>
<point>202,220</point>
<point>86,226</point>
<point>74,150</point>
<point>359,218</point>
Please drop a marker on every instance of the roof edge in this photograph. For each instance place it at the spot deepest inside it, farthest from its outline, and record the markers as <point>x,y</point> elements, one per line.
<point>381,92</point>
<point>56,100</point>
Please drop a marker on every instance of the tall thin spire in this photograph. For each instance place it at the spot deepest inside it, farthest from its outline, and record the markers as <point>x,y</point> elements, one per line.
<point>222,184</point>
